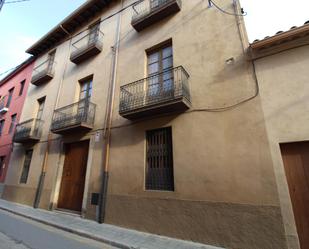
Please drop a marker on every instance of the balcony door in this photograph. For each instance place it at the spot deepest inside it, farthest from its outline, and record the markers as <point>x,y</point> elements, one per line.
<point>39,114</point>
<point>51,59</point>
<point>160,81</point>
<point>84,99</point>
<point>93,33</point>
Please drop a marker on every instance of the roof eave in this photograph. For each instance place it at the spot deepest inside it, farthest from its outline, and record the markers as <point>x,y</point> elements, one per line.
<point>279,38</point>
<point>59,32</point>
<point>19,68</point>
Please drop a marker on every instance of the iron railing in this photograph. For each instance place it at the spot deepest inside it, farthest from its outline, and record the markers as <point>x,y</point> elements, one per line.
<point>89,39</point>
<point>81,112</point>
<point>30,129</point>
<point>146,7</point>
<point>159,88</point>
<point>45,68</point>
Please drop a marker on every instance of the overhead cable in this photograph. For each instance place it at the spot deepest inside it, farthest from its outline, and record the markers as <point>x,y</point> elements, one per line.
<point>243,13</point>
<point>17,1</point>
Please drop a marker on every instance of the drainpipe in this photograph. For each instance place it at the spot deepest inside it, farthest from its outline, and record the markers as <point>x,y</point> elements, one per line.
<point>241,26</point>
<point>49,138</point>
<point>108,123</point>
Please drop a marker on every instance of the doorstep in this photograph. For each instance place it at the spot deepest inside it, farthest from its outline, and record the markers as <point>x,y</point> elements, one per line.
<point>109,234</point>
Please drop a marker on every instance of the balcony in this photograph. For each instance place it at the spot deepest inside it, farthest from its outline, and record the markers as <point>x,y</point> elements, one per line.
<point>28,131</point>
<point>148,12</point>
<point>87,46</point>
<point>160,93</point>
<point>43,72</point>
<point>3,108</point>
<point>78,117</point>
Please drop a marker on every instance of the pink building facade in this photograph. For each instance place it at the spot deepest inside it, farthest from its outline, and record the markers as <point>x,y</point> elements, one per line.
<point>13,91</point>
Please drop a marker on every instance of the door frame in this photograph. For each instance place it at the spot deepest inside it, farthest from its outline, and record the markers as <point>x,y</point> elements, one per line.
<point>289,215</point>
<point>58,179</point>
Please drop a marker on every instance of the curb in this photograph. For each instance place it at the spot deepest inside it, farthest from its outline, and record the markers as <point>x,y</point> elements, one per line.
<point>70,230</point>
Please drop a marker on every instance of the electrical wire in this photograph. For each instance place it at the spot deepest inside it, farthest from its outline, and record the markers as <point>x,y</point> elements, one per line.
<point>103,20</point>
<point>110,16</point>
<point>226,12</point>
<point>17,1</point>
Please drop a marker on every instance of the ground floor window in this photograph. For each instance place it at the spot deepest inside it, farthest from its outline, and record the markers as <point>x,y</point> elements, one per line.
<point>159,160</point>
<point>2,164</point>
<point>26,167</point>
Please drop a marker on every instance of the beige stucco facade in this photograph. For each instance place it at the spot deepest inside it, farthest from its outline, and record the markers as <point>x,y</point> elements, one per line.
<point>227,170</point>
<point>283,89</point>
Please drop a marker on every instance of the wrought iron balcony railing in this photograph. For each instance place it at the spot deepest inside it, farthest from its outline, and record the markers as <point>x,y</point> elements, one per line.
<point>148,12</point>
<point>87,46</point>
<point>163,92</point>
<point>28,131</point>
<point>43,72</point>
<point>75,117</point>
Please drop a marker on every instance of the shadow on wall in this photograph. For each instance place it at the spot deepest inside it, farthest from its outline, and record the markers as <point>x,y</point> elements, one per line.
<point>134,133</point>
<point>194,12</point>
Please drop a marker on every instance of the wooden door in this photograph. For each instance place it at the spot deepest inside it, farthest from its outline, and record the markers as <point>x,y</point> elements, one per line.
<point>73,176</point>
<point>296,162</point>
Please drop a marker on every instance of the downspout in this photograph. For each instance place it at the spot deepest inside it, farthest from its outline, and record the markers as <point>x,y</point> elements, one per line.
<point>108,123</point>
<point>241,27</point>
<point>245,43</point>
<point>49,138</point>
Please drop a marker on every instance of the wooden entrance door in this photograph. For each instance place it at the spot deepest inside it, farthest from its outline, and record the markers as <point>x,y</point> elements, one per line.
<point>296,163</point>
<point>73,176</point>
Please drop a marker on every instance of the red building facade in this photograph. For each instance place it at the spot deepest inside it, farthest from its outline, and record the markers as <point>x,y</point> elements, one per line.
<point>13,91</point>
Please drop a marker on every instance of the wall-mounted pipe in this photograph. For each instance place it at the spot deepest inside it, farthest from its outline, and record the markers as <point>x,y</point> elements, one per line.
<point>108,123</point>
<point>40,187</point>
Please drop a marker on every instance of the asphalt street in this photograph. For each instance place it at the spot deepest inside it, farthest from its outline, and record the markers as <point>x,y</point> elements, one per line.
<point>20,233</point>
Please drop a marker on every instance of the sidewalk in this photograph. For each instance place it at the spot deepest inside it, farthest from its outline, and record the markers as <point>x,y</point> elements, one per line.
<point>109,234</point>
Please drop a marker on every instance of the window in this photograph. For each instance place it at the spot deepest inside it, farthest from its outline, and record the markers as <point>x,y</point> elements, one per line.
<point>159,69</point>
<point>51,59</point>
<point>159,160</point>
<point>94,32</point>
<point>27,162</point>
<point>13,122</point>
<point>85,89</point>
<point>85,94</point>
<point>8,103</point>
<point>41,103</point>
<point>1,126</point>
<point>22,86</point>
<point>2,164</point>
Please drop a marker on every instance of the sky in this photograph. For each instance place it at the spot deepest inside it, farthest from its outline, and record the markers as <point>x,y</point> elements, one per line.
<point>22,24</point>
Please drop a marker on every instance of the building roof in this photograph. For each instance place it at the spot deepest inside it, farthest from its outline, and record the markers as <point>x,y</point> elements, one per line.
<point>282,40</point>
<point>17,69</point>
<point>70,24</point>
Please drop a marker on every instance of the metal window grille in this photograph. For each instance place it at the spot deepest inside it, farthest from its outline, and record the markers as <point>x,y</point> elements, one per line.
<point>27,162</point>
<point>159,158</point>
